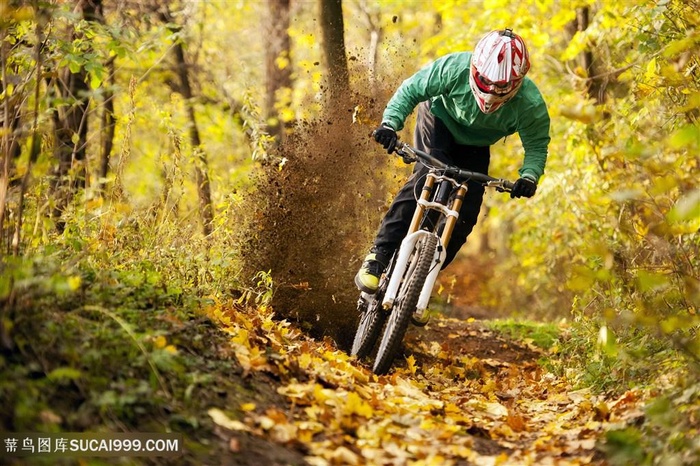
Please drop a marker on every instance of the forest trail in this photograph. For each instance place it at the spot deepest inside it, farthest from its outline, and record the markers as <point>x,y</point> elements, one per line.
<point>461,394</point>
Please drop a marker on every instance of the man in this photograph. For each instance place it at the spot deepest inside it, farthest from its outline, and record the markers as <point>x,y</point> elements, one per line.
<point>468,101</point>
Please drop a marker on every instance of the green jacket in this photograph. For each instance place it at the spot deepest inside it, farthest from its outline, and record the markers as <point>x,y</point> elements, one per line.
<point>446,83</point>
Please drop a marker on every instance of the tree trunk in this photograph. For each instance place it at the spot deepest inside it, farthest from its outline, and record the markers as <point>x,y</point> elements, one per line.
<point>201,165</point>
<point>109,122</point>
<point>277,64</point>
<point>595,86</point>
<point>334,50</point>
<point>71,129</point>
<point>10,149</point>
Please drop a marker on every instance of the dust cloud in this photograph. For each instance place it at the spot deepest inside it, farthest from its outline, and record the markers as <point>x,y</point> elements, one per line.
<point>312,221</point>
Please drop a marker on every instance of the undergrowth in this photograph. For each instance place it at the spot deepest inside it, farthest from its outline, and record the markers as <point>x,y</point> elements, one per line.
<point>624,361</point>
<point>119,338</point>
<point>111,332</point>
<point>629,361</point>
<point>542,335</point>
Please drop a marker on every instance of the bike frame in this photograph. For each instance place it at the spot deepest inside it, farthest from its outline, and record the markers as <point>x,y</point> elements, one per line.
<point>451,212</point>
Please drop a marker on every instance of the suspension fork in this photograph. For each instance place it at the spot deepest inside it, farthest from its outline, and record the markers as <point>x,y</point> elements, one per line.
<point>451,221</point>
<point>420,208</point>
<point>452,215</point>
<point>454,206</point>
<point>409,242</point>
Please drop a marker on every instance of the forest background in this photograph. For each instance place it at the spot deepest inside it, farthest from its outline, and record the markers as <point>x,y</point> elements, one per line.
<point>190,156</point>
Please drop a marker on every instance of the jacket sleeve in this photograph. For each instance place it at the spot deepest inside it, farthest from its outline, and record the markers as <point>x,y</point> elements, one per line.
<point>534,135</point>
<point>432,80</point>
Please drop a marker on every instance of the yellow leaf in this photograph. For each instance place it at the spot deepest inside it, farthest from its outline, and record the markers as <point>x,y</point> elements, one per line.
<point>356,405</point>
<point>359,375</point>
<point>564,17</point>
<point>282,62</point>
<point>584,112</point>
<point>159,342</point>
<point>343,455</point>
<point>258,359</point>
<point>323,394</point>
<point>650,73</point>
<point>304,361</point>
<point>221,419</point>
<point>685,137</point>
<point>496,409</point>
<point>284,433</point>
<point>241,337</point>
<point>411,362</point>
<point>247,407</point>
<point>692,103</point>
<point>644,90</point>
<point>360,117</point>
<point>74,282</point>
<point>503,458</point>
<point>265,422</point>
<point>95,203</point>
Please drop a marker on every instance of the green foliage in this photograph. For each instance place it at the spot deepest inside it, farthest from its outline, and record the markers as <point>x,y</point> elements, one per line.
<point>263,292</point>
<point>612,359</point>
<point>668,434</point>
<point>612,233</point>
<point>108,338</point>
<point>542,335</point>
<point>610,242</point>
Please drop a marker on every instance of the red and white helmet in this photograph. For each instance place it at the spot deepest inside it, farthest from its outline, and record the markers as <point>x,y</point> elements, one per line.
<point>499,63</point>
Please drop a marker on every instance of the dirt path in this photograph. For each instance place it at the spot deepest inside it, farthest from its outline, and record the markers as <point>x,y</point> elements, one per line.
<point>460,395</point>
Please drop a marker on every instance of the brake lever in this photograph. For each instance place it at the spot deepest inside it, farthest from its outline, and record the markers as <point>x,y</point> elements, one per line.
<point>498,185</point>
<point>405,156</point>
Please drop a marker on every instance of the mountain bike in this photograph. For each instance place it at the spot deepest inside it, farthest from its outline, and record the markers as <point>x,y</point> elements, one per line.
<point>407,284</point>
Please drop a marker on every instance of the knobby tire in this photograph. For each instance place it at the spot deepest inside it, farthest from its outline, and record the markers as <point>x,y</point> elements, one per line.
<point>371,322</point>
<point>397,324</point>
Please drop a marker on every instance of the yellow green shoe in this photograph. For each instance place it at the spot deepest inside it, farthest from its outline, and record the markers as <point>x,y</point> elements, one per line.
<point>367,279</point>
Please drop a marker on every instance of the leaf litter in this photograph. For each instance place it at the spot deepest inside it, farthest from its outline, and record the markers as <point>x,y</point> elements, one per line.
<point>460,394</point>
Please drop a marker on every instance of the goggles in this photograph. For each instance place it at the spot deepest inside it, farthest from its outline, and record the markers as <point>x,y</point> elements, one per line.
<point>490,87</point>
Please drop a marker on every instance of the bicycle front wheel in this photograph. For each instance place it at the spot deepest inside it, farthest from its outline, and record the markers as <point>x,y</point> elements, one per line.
<point>416,273</point>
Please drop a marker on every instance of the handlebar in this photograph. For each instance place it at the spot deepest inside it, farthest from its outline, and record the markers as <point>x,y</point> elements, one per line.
<point>411,154</point>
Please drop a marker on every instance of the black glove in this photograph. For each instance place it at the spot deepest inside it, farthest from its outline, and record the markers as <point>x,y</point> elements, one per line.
<point>524,187</point>
<point>386,136</point>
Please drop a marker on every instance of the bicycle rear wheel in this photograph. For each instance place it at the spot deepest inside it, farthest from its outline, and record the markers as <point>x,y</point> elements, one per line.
<point>397,324</point>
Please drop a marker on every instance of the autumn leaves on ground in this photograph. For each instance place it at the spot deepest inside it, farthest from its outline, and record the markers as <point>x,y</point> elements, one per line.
<point>157,157</point>
<point>460,394</point>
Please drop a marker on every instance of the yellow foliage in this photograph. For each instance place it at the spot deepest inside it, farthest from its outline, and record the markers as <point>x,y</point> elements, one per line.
<point>248,407</point>
<point>650,75</point>
<point>220,418</point>
<point>159,342</point>
<point>356,405</point>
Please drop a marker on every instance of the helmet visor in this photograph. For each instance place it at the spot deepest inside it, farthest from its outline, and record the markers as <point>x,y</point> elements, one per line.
<point>487,86</point>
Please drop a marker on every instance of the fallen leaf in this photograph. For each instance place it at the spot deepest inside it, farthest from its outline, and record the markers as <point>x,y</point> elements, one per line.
<point>221,419</point>
<point>234,445</point>
<point>516,422</point>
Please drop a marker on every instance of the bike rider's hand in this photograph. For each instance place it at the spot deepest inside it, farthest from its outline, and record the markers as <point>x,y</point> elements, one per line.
<point>386,136</point>
<point>524,187</point>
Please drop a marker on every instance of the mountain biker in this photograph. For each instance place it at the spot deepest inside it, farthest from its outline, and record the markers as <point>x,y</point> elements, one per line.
<point>466,103</point>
